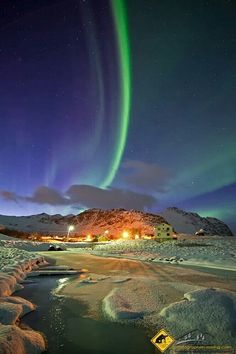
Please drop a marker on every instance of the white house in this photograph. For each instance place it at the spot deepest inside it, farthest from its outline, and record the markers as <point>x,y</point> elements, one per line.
<point>163,230</point>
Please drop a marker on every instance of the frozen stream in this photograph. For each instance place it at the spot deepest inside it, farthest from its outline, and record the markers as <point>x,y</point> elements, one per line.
<point>68,331</point>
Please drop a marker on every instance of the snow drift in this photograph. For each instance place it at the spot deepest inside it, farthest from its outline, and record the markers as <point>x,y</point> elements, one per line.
<point>14,266</point>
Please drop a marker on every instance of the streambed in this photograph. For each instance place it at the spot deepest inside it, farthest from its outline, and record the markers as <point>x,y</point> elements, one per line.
<point>67,329</point>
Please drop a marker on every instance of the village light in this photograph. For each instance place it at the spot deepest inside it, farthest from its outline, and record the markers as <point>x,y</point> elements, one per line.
<point>70,228</point>
<point>136,237</point>
<point>125,234</point>
<point>88,238</point>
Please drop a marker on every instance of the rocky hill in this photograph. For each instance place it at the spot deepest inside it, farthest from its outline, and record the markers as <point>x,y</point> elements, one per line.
<point>97,221</point>
<point>189,223</point>
<point>118,220</point>
<point>92,221</point>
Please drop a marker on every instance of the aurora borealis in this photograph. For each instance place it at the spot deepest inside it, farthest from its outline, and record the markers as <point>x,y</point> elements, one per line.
<point>124,107</point>
<point>118,103</point>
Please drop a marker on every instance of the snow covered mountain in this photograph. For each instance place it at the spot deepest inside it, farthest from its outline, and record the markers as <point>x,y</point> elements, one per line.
<point>92,221</point>
<point>189,223</point>
<point>97,221</point>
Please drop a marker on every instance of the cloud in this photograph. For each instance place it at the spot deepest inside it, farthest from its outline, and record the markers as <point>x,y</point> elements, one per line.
<point>93,197</point>
<point>42,195</point>
<point>85,196</point>
<point>145,176</point>
<point>9,196</point>
<point>45,195</point>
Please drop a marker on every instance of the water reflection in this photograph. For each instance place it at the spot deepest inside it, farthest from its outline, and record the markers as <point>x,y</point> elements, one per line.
<point>68,330</point>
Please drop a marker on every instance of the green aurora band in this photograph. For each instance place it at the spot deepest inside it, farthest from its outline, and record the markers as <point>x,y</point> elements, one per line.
<point>120,19</point>
<point>122,38</point>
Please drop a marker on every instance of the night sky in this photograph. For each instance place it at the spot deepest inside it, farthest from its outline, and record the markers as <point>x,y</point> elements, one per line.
<point>118,104</point>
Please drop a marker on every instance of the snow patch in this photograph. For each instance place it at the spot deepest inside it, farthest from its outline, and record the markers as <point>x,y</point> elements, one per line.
<point>9,313</point>
<point>212,311</point>
<point>15,264</point>
<point>15,340</point>
<point>116,307</point>
<point>26,306</point>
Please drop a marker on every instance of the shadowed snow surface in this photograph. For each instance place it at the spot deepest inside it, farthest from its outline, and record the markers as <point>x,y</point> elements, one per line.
<point>14,265</point>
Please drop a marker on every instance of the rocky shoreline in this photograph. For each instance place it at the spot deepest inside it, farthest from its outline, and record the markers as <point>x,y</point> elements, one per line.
<point>15,264</point>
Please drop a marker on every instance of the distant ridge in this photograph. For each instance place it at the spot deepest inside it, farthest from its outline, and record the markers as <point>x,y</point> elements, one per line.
<point>97,221</point>
<point>91,221</point>
<point>189,223</point>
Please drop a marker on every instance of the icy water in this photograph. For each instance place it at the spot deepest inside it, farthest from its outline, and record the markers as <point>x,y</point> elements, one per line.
<point>68,332</point>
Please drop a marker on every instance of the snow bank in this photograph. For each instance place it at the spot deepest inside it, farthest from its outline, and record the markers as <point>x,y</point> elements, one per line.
<point>141,299</point>
<point>133,300</point>
<point>208,311</point>
<point>218,250</point>
<point>30,246</point>
<point>7,238</point>
<point>117,307</point>
<point>13,308</point>
<point>9,313</point>
<point>211,311</point>
<point>15,340</point>
<point>14,266</point>
<point>8,284</point>
<point>34,246</point>
<point>26,306</point>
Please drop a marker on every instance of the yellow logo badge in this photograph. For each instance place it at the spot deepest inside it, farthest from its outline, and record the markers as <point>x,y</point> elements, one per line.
<point>162,340</point>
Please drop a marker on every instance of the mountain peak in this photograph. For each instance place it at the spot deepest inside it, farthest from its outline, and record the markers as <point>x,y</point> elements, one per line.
<point>190,222</point>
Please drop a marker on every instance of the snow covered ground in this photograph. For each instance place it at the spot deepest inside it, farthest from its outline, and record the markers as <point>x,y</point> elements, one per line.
<point>219,252</point>
<point>14,266</point>
<point>211,311</point>
<point>141,298</point>
<point>208,310</point>
<point>213,251</point>
<point>154,295</point>
<point>34,246</point>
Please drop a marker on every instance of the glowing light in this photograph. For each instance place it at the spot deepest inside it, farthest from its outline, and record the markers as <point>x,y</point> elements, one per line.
<point>136,237</point>
<point>106,232</point>
<point>145,237</point>
<point>120,18</point>
<point>70,228</point>
<point>125,234</point>
<point>88,238</point>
